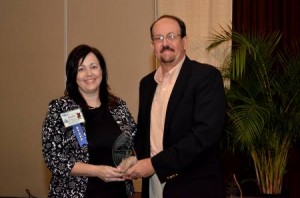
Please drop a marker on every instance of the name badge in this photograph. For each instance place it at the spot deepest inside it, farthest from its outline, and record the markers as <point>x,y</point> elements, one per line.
<point>72,118</point>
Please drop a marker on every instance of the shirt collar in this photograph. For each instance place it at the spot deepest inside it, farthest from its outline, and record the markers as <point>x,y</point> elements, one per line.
<point>158,76</point>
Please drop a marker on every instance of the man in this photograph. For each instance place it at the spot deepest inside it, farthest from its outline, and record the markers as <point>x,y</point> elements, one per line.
<point>180,121</point>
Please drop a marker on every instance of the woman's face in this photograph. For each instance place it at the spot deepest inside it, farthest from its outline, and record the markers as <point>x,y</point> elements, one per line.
<point>89,75</point>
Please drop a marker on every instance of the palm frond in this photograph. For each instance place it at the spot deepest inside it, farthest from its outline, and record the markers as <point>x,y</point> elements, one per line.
<point>263,100</point>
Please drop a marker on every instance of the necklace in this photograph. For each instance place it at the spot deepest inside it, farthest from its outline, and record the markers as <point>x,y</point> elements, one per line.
<point>93,107</point>
<point>93,104</point>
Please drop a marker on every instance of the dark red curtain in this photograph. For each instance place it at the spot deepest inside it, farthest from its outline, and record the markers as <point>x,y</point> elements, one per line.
<point>267,16</point>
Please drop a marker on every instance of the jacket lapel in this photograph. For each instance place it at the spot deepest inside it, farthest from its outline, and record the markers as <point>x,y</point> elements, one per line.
<point>177,93</point>
<point>150,94</point>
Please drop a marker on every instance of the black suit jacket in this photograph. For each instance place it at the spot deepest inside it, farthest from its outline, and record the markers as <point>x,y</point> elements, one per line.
<point>189,162</point>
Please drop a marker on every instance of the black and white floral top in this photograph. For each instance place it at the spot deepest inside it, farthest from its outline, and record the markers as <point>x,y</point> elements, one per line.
<point>61,150</point>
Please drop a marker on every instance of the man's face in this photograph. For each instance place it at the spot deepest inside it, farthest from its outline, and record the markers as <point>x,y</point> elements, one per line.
<point>169,47</point>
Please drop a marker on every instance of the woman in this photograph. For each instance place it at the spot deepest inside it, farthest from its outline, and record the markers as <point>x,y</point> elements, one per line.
<point>79,131</point>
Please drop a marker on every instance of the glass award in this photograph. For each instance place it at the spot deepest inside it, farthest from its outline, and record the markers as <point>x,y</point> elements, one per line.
<point>122,148</point>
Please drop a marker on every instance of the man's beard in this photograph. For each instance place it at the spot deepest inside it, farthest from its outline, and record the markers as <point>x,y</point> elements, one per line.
<point>169,60</point>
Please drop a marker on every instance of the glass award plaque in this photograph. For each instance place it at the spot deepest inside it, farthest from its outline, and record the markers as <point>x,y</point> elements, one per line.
<point>122,148</point>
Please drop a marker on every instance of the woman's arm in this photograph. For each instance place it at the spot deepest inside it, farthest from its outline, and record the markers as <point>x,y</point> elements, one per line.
<point>106,173</point>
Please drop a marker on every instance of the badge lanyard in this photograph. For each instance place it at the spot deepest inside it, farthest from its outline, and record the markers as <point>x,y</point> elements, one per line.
<point>80,135</point>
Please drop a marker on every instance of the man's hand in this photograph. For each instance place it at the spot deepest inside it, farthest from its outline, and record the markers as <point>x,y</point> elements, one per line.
<point>142,168</point>
<point>127,163</point>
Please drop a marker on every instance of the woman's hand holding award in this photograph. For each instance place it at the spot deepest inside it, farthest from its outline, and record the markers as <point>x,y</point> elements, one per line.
<point>123,153</point>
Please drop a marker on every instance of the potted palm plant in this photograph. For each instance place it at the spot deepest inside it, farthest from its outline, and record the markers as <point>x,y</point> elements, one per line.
<point>263,101</point>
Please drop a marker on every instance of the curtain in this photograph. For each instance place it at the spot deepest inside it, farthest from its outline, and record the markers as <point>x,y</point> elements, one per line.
<point>202,17</point>
<point>267,16</point>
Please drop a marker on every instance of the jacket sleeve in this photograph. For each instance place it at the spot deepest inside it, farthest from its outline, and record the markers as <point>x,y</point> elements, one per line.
<point>59,146</point>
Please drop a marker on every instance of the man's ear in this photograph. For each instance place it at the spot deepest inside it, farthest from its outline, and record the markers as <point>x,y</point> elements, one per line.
<point>185,42</point>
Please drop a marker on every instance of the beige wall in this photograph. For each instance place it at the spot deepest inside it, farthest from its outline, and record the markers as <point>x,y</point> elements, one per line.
<point>35,36</point>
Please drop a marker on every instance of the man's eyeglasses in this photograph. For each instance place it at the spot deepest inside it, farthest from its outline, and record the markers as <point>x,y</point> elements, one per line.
<point>168,37</point>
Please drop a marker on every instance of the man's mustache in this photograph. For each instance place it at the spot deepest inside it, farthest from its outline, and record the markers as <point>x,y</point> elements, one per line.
<point>165,48</point>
